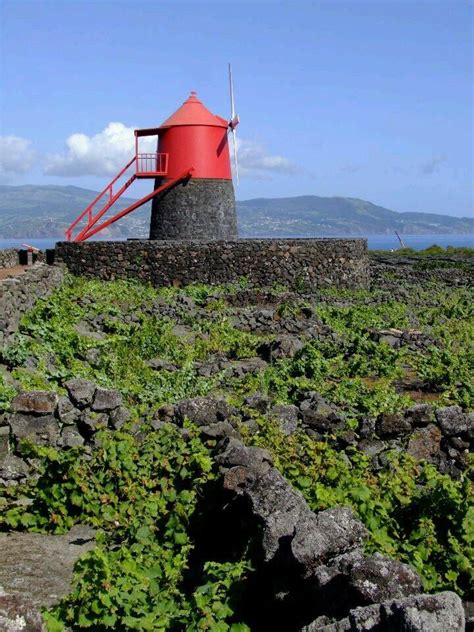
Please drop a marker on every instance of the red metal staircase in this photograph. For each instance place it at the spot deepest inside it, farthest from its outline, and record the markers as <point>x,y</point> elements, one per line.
<point>147,165</point>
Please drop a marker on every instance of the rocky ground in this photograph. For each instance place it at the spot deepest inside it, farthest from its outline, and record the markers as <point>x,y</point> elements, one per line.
<point>265,363</point>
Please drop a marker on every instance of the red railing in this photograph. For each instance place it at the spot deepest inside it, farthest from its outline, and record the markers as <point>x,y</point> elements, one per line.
<point>93,229</point>
<point>147,165</point>
<point>151,164</point>
<point>107,197</point>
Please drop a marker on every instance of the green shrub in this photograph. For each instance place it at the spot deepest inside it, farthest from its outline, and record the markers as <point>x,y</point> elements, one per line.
<point>412,512</point>
<point>142,495</point>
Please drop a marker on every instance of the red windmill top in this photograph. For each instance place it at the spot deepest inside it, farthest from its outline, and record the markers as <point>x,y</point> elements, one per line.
<point>193,112</point>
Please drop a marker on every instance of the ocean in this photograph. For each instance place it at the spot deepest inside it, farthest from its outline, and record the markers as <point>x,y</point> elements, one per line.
<point>376,242</point>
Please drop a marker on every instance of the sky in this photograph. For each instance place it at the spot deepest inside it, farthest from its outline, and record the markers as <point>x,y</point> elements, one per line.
<point>370,100</point>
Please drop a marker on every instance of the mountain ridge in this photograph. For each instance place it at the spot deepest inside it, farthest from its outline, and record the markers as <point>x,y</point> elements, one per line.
<point>46,211</point>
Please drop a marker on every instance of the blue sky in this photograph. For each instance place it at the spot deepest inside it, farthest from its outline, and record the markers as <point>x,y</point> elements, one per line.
<point>361,99</point>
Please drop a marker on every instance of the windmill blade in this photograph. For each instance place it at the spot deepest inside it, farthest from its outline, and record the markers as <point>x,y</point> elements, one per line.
<point>236,162</point>
<point>234,121</point>
<point>231,90</point>
<point>234,118</point>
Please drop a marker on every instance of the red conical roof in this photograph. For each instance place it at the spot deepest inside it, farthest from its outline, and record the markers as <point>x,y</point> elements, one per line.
<point>193,112</point>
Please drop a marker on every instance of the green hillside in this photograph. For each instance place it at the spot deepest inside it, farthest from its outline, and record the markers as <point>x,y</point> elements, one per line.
<point>313,215</point>
<point>46,211</point>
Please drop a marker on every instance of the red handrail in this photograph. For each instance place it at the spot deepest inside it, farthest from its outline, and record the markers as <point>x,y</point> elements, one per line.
<point>89,232</point>
<point>146,165</point>
<point>88,210</point>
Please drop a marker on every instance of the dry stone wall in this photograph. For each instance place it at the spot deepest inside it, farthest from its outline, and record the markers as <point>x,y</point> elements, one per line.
<point>9,258</point>
<point>453,270</point>
<point>19,293</point>
<point>294,262</point>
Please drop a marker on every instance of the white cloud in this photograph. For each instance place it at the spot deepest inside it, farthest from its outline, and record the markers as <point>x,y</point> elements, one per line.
<point>255,161</point>
<point>16,154</point>
<point>106,152</point>
<point>103,154</point>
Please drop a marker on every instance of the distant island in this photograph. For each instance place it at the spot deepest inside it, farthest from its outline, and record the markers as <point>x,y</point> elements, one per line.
<point>32,211</point>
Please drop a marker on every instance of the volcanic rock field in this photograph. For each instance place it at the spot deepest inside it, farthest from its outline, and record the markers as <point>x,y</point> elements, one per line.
<point>247,458</point>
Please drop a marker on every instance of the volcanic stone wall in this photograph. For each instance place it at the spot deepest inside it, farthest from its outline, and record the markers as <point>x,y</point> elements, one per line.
<point>296,263</point>
<point>197,209</point>
<point>18,294</point>
<point>9,258</point>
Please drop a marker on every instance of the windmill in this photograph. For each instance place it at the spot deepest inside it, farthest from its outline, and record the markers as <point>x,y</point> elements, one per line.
<point>193,195</point>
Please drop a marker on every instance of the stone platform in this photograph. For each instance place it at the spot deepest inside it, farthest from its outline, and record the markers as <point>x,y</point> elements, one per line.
<point>296,263</point>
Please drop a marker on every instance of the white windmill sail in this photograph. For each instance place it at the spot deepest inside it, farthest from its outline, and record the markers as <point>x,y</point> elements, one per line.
<point>234,121</point>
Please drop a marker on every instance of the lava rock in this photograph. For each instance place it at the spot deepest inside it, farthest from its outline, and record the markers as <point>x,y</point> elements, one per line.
<point>242,367</point>
<point>235,453</point>
<point>71,437</point>
<point>83,328</point>
<point>4,441</point>
<point>365,619</point>
<point>164,414</point>
<point>278,507</point>
<point>426,444</point>
<point>319,537</point>
<point>17,612</point>
<point>92,356</point>
<point>392,425</point>
<point>284,346</point>
<point>158,364</point>
<point>379,578</point>
<point>274,504</point>
<point>324,624</point>
<point>204,410</point>
<point>67,413</point>
<point>422,613</point>
<point>419,415</point>
<point>13,468</point>
<point>118,417</point>
<point>366,427</point>
<point>391,341</point>
<point>318,414</point>
<point>40,566</point>
<point>80,391</point>
<point>419,613</point>
<point>451,420</point>
<point>258,401</point>
<point>106,399</point>
<point>90,422</point>
<point>38,402</point>
<point>219,430</point>
<point>287,417</point>
<point>39,430</point>
<point>64,407</point>
<point>181,331</point>
<point>371,447</point>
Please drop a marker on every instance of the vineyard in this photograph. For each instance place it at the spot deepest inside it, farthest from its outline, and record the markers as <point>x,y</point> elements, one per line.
<point>353,399</point>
